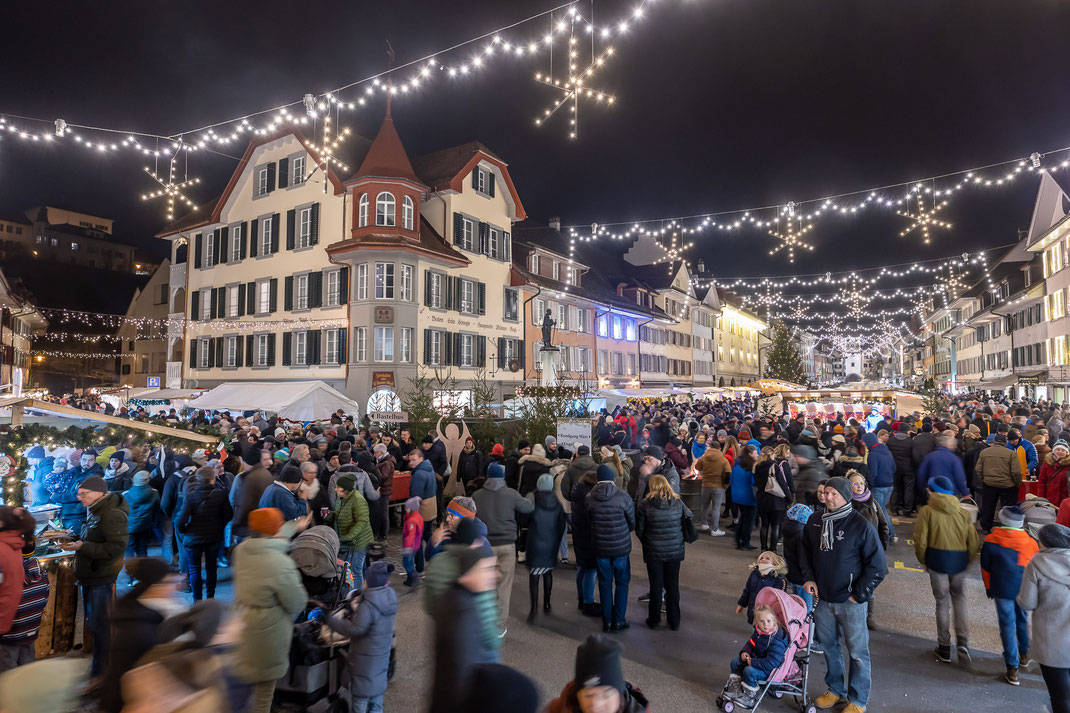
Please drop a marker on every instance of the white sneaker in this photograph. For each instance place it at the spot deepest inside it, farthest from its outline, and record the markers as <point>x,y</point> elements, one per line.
<point>703,528</point>
<point>717,533</point>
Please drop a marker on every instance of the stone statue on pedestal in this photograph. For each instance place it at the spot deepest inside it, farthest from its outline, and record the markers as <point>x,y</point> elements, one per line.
<point>548,325</point>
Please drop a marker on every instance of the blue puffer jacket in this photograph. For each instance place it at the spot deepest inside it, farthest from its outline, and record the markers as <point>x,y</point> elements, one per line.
<point>766,650</point>
<point>422,483</point>
<point>144,504</point>
<point>278,496</point>
<point>742,484</point>
<point>881,466</point>
<point>611,519</point>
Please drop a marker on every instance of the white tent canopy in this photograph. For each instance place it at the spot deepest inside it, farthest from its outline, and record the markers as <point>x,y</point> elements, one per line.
<point>291,400</point>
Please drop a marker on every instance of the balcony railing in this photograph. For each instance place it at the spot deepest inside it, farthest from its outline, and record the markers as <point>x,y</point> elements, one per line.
<point>178,275</point>
<point>174,375</point>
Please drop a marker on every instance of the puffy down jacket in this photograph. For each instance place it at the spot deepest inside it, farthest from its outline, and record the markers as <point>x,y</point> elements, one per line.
<point>611,519</point>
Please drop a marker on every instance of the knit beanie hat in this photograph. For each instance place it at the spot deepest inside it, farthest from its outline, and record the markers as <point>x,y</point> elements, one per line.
<point>142,477</point>
<point>840,485</point>
<point>495,470</point>
<point>800,513</point>
<point>282,455</point>
<point>35,452</point>
<point>941,484</point>
<point>605,473</point>
<point>598,664</point>
<point>550,439</point>
<point>1061,444</point>
<point>428,439</point>
<point>291,474</point>
<point>1000,438</point>
<point>266,521</point>
<point>412,503</point>
<point>1055,536</point>
<point>545,483</point>
<point>1012,516</point>
<point>347,481</point>
<point>462,506</point>
<point>494,688</point>
<point>722,434</point>
<point>497,450</point>
<point>522,445</point>
<point>94,482</point>
<point>606,452</point>
<point>378,575</point>
<point>538,451</point>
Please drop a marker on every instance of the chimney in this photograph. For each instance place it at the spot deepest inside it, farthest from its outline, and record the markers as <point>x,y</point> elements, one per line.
<point>555,223</point>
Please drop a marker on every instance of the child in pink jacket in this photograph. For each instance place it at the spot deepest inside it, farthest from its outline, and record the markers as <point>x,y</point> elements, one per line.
<point>411,539</point>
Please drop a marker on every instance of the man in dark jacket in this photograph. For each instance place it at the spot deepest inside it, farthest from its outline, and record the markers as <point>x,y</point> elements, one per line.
<point>171,502</point>
<point>144,504</point>
<point>611,518</point>
<point>811,472</point>
<point>98,559</point>
<point>582,462</point>
<point>71,512</point>
<point>655,462</point>
<point>900,445</point>
<point>512,464</point>
<point>205,514</point>
<point>498,506</point>
<point>881,473</point>
<point>842,562</point>
<point>245,493</point>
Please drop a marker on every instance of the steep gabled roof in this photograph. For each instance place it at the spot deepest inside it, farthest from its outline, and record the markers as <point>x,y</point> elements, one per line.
<point>444,169</point>
<point>386,158</point>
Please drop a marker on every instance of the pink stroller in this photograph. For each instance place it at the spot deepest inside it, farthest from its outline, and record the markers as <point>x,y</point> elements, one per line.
<point>791,677</point>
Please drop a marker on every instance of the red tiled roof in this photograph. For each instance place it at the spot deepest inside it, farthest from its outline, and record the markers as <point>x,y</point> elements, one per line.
<point>386,158</point>
<point>440,167</point>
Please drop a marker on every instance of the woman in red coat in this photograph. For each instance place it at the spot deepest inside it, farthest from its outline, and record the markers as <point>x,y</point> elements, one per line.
<point>1054,473</point>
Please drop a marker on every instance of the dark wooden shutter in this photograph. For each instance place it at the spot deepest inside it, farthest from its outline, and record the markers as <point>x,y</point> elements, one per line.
<point>241,300</point>
<point>198,249</point>
<point>481,297</point>
<point>427,346</point>
<point>343,286</point>
<point>239,347</point>
<point>250,298</point>
<point>271,177</point>
<point>314,236</point>
<point>447,292</point>
<point>520,355</point>
<point>501,353</point>
<point>244,238</point>
<point>195,306</point>
<point>271,350</point>
<point>284,172</point>
<point>287,345</point>
<point>481,351</point>
<point>274,299</point>
<point>475,178</point>
<point>484,238</point>
<point>427,288</point>
<point>458,228</point>
<point>316,287</point>
<point>224,244</point>
<point>216,252</point>
<point>212,304</point>
<point>221,302</point>
<point>291,225</point>
<point>193,353</point>
<point>275,233</point>
<point>490,184</point>
<point>343,357</point>
<point>313,346</point>
<point>458,290</point>
<point>288,292</point>
<point>447,349</point>
<point>219,351</point>
<point>250,349</point>
<point>253,237</point>
<point>457,349</point>
<point>211,352</point>
<point>507,244</point>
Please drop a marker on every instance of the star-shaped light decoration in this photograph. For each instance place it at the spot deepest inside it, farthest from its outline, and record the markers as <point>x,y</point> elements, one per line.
<point>924,219</point>
<point>799,312</point>
<point>171,189</point>
<point>578,84</point>
<point>953,284</point>
<point>791,238</point>
<point>673,251</point>
<point>856,299</point>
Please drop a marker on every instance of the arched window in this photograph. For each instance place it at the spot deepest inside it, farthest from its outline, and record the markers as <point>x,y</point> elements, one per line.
<point>406,213</point>
<point>384,209</point>
<point>362,211</point>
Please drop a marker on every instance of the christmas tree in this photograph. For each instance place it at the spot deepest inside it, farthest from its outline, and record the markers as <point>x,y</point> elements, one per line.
<point>784,362</point>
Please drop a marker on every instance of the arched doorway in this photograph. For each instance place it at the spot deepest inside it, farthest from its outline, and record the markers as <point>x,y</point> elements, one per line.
<point>721,382</point>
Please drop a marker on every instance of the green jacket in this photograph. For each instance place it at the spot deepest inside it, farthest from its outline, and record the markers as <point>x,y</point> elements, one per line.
<point>104,538</point>
<point>268,594</point>
<point>945,539</point>
<point>352,521</point>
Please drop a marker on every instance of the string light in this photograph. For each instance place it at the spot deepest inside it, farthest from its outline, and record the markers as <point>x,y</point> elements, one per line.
<point>924,219</point>
<point>171,189</point>
<point>791,238</point>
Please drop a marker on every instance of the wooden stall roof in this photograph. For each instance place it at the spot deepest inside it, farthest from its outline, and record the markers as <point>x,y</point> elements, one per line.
<point>20,404</point>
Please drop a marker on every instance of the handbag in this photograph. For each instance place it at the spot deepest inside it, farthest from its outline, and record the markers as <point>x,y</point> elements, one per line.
<point>429,509</point>
<point>688,525</point>
<point>772,485</point>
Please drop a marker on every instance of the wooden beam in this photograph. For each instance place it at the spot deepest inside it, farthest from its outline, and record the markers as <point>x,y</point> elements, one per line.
<point>115,420</point>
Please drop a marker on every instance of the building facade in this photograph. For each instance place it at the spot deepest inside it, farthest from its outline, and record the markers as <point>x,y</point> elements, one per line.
<point>20,321</point>
<point>143,335</point>
<point>737,333</point>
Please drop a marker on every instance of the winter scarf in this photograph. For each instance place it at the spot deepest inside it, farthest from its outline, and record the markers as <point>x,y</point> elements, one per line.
<point>697,449</point>
<point>861,497</point>
<point>766,568</point>
<point>828,521</point>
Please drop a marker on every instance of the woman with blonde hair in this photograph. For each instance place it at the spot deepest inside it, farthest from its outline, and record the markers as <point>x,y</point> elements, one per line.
<point>610,458</point>
<point>660,523</point>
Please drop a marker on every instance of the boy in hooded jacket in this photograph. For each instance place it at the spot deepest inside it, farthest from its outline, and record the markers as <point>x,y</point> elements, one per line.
<point>1004,556</point>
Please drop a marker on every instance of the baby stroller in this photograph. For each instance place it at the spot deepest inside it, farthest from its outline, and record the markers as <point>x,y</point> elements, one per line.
<point>792,676</point>
<point>1038,513</point>
<point>315,552</point>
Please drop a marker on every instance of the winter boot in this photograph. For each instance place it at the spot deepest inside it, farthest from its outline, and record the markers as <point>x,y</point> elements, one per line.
<point>943,653</point>
<point>829,699</point>
<point>1011,676</point>
<point>734,685</point>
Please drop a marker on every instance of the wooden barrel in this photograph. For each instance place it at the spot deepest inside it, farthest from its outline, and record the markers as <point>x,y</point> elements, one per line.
<point>691,494</point>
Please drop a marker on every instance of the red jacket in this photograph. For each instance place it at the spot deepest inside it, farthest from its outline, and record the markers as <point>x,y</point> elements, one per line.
<point>12,576</point>
<point>1053,476</point>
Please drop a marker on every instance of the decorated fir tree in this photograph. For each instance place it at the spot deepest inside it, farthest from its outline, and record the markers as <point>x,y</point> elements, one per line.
<point>784,362</point>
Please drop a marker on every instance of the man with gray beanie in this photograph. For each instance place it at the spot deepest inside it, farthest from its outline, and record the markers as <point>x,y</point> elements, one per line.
<point>842,561</point>
<point>1046,592</point>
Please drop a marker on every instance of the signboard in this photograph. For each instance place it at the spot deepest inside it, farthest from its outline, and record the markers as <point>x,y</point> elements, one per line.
<point>382,378</point>
<point>389,416</point>
<point>153,382</point>
<point>572,431</point>
<point>383,315</point>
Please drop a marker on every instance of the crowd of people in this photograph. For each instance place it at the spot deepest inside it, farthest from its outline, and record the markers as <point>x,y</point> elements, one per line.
<point>820,490</point>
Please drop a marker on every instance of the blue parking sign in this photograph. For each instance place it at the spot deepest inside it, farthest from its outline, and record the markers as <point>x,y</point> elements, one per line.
<point>153,382</point>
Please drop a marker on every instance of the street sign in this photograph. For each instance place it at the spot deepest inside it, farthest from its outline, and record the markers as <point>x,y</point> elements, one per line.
<point>389,416</point>
<point>153,382</point>
<point>572,431</point>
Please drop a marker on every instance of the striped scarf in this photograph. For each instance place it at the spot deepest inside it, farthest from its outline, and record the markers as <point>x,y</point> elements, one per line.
<point>27,621</point>
<point>828,521</point>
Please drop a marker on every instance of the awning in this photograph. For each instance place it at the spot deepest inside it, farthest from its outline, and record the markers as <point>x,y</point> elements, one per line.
<point>167,394</point>
<point>1000,383</point>
<point>291,400</point>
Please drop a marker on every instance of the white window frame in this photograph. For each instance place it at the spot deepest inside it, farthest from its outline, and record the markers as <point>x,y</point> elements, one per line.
<point>617,329</point>
<point>562,316</point>
<point>384,281</point>
<point>360,344</point>
<point>408,212</point>
<point>405,345</point>
<point>492,242</point>
<point>437,295</point>
<point>362,211</point>
<point>330,352</point>
<point>435,348</point>
<point>405,292</point>
<point>235,244</point>
<point>535,263</point>
<point>265,236</point>
<point>384,345</point>
<point>629,329</point>
<point>386,210</point>
<point>581,320</point>
<point>603,361</point>
<point>262,182</point>
<point>206,305</point>
<point>300,356</point>
<point>557,270</point>
<point>232,351</point>
<point>209,244</point>
<point>468,297</point>
<point>298,176</point>
<point>481,180</point>
<point>202,355</point>
<point>516,305</point>
<point>631,371</point>
<point>468,349</point>
<point>304,227</point>
<point>263,302</point>
<point>261,350</point>
<point>232,300</point>
<point>334,288</point>
<point>468,234</point>
<point>362,281</point>
<point>301,291</point>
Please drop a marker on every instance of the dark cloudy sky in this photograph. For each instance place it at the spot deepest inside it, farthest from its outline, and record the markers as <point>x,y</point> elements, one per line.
<point>721,104</point>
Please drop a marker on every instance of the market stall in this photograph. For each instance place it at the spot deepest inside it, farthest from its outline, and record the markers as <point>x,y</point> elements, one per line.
<point>856,404</point>
<point>292,401</point>
<point>156,399</point>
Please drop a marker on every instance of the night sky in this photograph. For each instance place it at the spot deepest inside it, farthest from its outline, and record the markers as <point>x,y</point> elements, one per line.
<point>721,104</point>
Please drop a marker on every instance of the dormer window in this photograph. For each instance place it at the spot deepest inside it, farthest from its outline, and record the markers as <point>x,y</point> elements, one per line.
<point>535,263</point>
<point>384,210</point>
<point>362,211</point>
<point>408,212</point>
<point>483,181</point>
